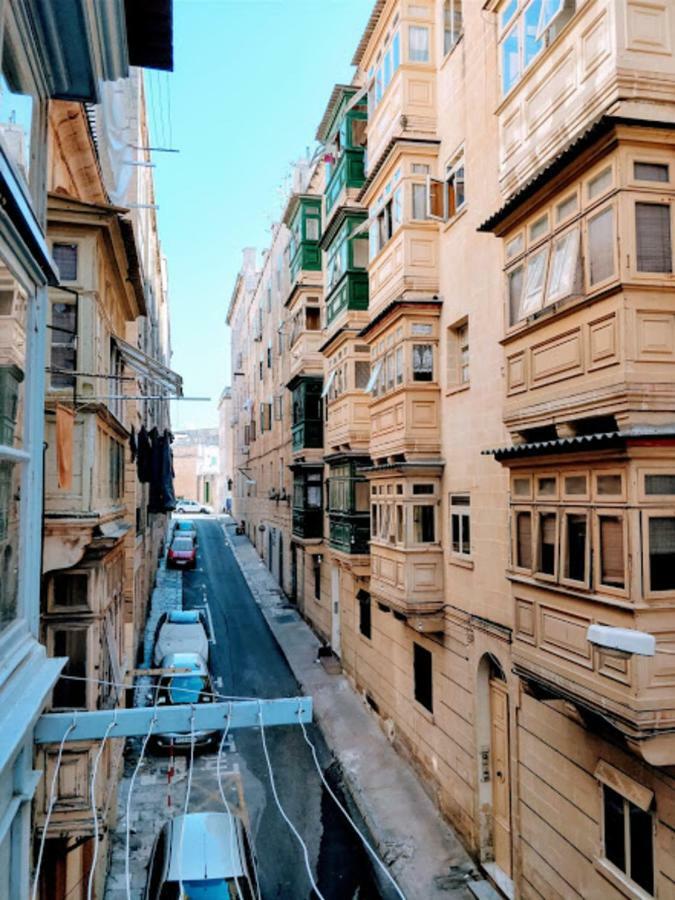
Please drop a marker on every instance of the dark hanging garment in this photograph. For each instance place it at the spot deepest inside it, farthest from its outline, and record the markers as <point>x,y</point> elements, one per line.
<point>144,456</point>
<point>133,446</point>
<point>162,498</point>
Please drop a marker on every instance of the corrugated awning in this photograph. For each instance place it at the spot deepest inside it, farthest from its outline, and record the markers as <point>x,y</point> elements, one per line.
<point>605,438</point>
<point>150,368</point>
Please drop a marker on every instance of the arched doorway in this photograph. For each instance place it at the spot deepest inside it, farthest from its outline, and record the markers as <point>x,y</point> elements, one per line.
<point>493,727</point>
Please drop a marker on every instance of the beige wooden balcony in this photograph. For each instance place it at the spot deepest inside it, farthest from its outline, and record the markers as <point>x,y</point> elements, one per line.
<point>406,422</point>
<point>348,424</point>
<point>407,264</point>
<point>410,581</point>
<point>612,56</point>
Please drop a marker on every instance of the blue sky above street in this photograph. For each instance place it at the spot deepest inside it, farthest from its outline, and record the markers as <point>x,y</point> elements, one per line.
<point>251,81</point>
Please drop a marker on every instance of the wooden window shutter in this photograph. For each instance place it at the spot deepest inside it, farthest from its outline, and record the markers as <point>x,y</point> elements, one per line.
<point>653,238</point>
<point>611,551</point>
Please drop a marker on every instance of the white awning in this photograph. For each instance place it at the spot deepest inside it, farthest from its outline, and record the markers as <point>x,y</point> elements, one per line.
<point>150,368</point>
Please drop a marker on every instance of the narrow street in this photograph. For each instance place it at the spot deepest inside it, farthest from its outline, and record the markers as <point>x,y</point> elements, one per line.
<point>246,662</point>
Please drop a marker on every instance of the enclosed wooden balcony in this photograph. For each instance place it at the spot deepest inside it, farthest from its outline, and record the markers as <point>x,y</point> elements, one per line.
<point>593,542</point>
<point>347,425</point>
<point>579,61</point>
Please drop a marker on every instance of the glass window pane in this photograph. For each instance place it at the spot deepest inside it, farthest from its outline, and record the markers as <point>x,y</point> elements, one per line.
<point>662,553</point>
<point>524,540</point>
<point>643,171</point>
<point>653,237</point>
<point>615,844</point>
<point>456,532</point>
<point>419,201</point>
<point>10,475</point>
<point>660,484</point>
<point>531,23</point>
<point>71,694</point>
<point>546,487</point>
<point>575,485</point>
<point>423,362</point>
<point>601,183</point>
<point>312,228</point>
<point>536,279</point>
<point>575,559</point>
<point>515,285</point>
<point>565,273</point>
<point>547,541</point>
<point>418,39</point>
<point>641,848</point>
<point>423,524</point>
<point>521,487</point>
<point>601,246</point>
<point>609,485</point>
<point>510,59</point>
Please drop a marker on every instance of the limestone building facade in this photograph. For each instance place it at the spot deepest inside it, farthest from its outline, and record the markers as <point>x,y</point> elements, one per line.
<point>481,440</point>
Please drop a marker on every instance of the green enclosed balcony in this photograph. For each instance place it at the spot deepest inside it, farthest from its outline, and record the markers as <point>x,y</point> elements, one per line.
<point>305,226</point>
<point>343,132</point>
<point>346,263</point>
<point>307,428</point>
<point>348,507</point>
<point>308,502</point>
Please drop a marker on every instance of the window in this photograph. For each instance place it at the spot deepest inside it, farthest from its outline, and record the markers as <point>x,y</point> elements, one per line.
<point>317,579</point>
<point>422,670</point>
<point>70,642</point>
<point>364,614</point>
<point>116,469</point>
<point>423,362</point>
<point>69,590</point>
<point>601,246</point>
<point>565,272</point>
<point>446,199</point>
<point>515,288</point>
<point>524,540</point>
<point>460,524</point>
<point>423,524</point>
<point>269,355</point>
<point>278,408</point>
<point>399,366</point>
<point>653,237</point>
<point>644,171</point>
<point>452,23</point>
<point>530,30</point>
<point>418,44</point>
<point>419,201</point>
<point>547,543</point>
<point>361,374</point>
<point>65,257</point>
<point>63,335</point>
<point>612,569</point>
<point>575,565</point>
<point>386,215</point>
<point>662,553</point>
<point>600,183</point>
<point>660,485</point>
<point>312,318</point>
<point>388,64</point>
<point>628,838</point>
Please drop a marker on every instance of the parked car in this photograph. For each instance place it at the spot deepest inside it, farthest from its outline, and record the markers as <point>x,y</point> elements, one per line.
<point>192,685</point>
<point>182,553</point>
<point>191,506</point>
<point>185,528</point>
<point>181,631</point>
<point>209,852</point>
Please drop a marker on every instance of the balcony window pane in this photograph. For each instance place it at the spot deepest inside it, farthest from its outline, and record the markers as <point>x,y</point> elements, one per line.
<point>508,12</point>
<point>524,540</point>
<point>601,246</point>
<point>65,257</point>
<point>10,475</point>
<point>653,237</point>
<point>546,487</point>
<point>399,524</point>
<point>533,46</point>
<point>662,553</point>
<point>396,51</point>
<point>63,343</point>
<point>360,252</point>
<point>575,560</point>
<point>418,39</point>
<point>643,171</point>
<point>515,285</point>
<point>565,269</point>
<point>600,183</point>
<point>614,833</point>
<point>419,201</point>
<point>521,487</point>
<point>312,228</point>
<point>609,485</point>
<point>423,362</point>
<point>536,280</point>
<point>663,485</point>
<point>361,496</point>
<point>510,59</point>
<point>641,847</point>
<point>611,551</point>
<point>423,524</point>
<point>575,485</point>
<point>399,365</point>
<point>547,542</point>
<point>361,374</point>
<point>566,208</point>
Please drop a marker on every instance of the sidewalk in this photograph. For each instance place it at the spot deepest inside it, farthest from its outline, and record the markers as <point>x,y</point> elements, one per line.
<point>424,855</point>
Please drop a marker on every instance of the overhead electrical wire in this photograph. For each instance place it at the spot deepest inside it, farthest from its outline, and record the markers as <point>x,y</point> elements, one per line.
<point>188,790</point>
<point>121,684</point>
<point>230,817</point>
<point>50,807</point>
<point>127,873</point>
<point>295,831</point>
<point>339,805</point>
<point>92,793</point>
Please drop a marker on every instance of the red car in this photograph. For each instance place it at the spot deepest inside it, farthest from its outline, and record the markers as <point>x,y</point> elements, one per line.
<point>182,553</point>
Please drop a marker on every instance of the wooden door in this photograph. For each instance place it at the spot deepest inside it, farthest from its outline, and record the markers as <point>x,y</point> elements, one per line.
<point>501,781</point>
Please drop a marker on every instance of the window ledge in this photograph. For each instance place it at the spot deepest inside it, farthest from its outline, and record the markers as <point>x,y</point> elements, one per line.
<point>591,596</point>
<point>462,562</point>
<point>424,712</point>
<point>620,881</point>
<point>458,389</point>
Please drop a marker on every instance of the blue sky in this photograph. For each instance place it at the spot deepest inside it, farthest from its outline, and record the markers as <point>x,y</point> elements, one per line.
<point>250,83</point>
